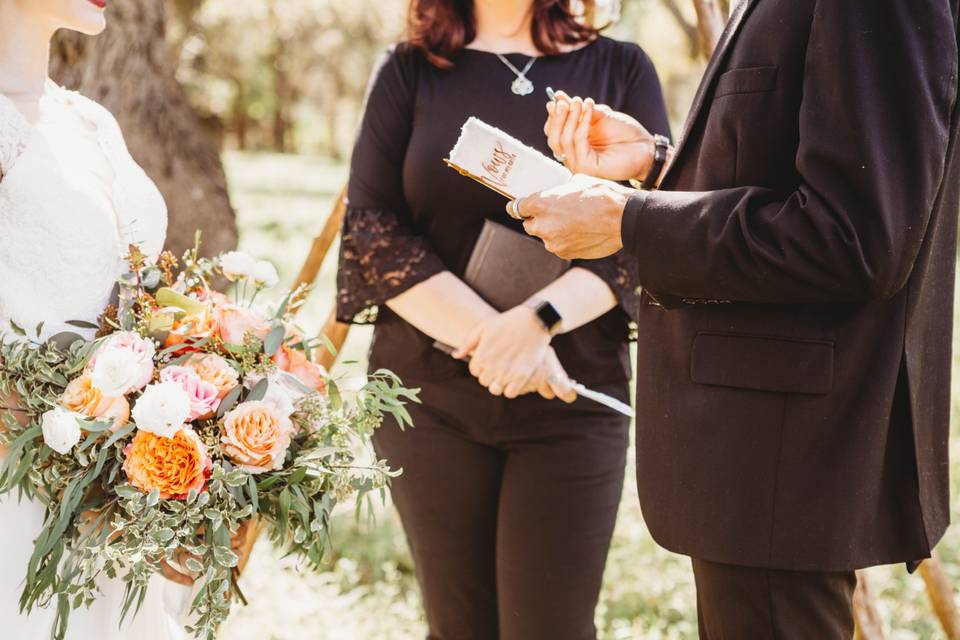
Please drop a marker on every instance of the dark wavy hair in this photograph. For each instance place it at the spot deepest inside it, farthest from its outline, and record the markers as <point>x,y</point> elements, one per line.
<point>442,28</point>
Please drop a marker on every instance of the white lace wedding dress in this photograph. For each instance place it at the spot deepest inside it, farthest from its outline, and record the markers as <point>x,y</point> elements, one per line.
<point>71,201</point>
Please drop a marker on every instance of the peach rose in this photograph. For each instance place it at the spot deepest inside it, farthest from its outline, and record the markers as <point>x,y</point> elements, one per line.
<point>215,370</point>
<point>204,396</point>
<point>83,398</point>
<point>256,436</point>
<point>236,322</point>
<point>193,327</point>
<point>173,465</point>
<point>296,363</point>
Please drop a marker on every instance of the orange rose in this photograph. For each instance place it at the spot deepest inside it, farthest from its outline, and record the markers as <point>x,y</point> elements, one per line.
<point>256,436</point>
<point>215,370</point>
<point>82,397</point>
<point>173,465</point>
<point>192,327</point>
<point>296,363</point>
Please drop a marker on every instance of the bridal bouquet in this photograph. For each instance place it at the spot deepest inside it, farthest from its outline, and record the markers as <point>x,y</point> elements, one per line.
<point>190,414</point>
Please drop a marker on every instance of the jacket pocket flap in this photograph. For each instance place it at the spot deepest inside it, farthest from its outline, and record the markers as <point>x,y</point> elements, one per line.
<point>783,365</point>
<point>747,80</point>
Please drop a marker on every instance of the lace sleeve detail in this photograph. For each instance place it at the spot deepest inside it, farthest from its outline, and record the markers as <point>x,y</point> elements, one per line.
<point>620,273</point>
<point>15,133</point>
<point>381,256</point>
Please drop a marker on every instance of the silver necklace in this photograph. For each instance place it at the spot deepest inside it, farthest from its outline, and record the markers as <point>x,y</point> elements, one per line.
<point>522,86</point>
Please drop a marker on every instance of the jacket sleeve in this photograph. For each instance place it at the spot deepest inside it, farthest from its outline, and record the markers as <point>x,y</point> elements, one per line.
<point>382,254</point>
<point>879,88</point>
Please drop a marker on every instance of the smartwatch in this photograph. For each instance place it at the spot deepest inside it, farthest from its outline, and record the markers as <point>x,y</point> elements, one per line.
<point>547,314</point>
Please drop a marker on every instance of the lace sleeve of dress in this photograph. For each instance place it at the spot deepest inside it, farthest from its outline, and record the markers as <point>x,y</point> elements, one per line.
<point>15,133</point>
<point>380,257</point>
<point>621,275</point>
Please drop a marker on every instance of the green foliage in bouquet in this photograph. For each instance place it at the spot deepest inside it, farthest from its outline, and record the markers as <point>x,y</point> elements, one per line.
<point>160,434</point>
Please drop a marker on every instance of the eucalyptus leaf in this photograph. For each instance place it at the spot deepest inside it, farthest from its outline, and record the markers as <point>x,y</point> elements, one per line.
<point>259,390</point>
<point>82,324</point>
<point>229,401</point>
<point>64,340</point>
<point>271,344</point>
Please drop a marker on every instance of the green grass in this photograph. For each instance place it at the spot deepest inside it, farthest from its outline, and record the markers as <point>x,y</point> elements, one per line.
<point>370,591</point>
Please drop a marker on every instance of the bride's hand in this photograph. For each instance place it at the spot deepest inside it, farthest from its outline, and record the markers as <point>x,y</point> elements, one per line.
<point>595,140</point>
<point>240,544</point>
<point>506,350</point>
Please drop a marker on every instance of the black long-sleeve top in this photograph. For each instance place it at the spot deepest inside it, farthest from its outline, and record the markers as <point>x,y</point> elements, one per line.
<point>410,217</point>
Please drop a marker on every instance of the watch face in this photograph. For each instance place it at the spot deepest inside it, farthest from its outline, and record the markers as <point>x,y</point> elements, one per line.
<point>549,316</point>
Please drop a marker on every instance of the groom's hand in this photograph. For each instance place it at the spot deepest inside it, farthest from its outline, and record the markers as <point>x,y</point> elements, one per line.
<point>580,219</point>
<point>595,140</point>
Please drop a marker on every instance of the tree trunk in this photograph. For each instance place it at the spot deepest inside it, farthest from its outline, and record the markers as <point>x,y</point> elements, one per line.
<point>126,69</point>
<point>711,20</point>
<point>865,615</point>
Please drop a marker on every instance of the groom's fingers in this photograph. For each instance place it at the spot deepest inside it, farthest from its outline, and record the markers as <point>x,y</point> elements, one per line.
<point>581,135</point>
<point>569,127</point>
<point>557,123</point>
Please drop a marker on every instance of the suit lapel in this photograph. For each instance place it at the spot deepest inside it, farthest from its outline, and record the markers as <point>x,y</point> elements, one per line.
<point>737,18</point>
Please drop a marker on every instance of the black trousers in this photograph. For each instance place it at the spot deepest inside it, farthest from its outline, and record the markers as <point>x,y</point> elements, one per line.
<point>743,603</point>
<point>509,507</point>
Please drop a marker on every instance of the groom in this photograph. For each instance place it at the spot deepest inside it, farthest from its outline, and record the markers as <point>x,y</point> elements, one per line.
<point>798,270</point>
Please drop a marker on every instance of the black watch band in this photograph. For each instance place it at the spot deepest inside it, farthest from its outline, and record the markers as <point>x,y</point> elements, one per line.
<point>548,316</point>
<point>661,147</point>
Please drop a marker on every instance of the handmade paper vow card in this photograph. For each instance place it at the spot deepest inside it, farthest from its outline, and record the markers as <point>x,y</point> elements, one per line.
<point>503,163</point>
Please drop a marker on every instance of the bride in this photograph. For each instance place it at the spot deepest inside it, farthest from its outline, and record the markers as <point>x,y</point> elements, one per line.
<point>71,201</point>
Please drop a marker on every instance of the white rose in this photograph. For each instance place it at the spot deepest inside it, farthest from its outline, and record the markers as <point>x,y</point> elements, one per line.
<point>124,363</point>
<point>237,264</point>
<point>265,274</point>
<point>162,409</point>
<point>61,431</point>
<point>115,372</point>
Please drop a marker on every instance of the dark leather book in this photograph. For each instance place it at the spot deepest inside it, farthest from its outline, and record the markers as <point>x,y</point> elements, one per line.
<point>507,267</point>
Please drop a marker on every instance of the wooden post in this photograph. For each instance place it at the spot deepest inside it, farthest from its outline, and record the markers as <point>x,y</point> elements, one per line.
<point>322,242</point>
<point>336,332</point>
<point>865,616</point>
<point>941,596</point>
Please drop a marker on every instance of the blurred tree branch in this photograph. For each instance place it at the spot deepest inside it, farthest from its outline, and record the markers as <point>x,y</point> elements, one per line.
<point>701,36</point>
<point>689,29</point>
<point>711,20</point>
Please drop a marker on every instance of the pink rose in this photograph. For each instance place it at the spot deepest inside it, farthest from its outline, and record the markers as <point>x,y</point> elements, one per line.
<point>236,322</point>
<point>256,436</point>
<point>215,370</point>
<point>204,396</point>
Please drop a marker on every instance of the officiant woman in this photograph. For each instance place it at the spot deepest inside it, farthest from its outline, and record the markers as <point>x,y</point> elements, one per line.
<point>508,495</point>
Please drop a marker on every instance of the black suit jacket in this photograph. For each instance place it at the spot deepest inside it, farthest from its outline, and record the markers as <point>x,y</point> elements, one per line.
<point>798,268</point>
